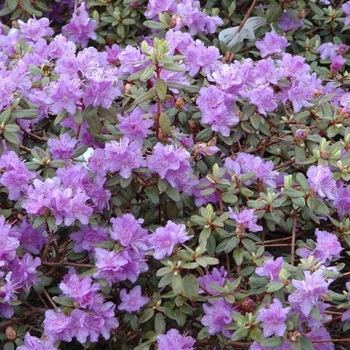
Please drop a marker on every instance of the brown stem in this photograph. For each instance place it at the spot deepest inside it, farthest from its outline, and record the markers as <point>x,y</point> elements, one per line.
<point>246,16</point>
<point>49,298</point>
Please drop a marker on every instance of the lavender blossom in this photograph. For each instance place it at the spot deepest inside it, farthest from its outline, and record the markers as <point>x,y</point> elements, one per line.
<point>217,317</point>
<point>309,291</point>
<point>271,269</point>
<point>245,219</point>
<point>342,201</point>
<point>274,319</point>
<point>287,23</point>
<point>327,247</point>
<point>216,277</point>
<point>34,343</point>
<point>123,157</point>
<point>320,179</point>
<point>81,28</point>
<point>62,148</point>
<point>216,108</point>
<point>135,125</point>
<point>164,239</point>
<point>170,163</point>
<point>173,340</point>
<point>132,301</point>
<point>346,9</point>
<point>271,44</point>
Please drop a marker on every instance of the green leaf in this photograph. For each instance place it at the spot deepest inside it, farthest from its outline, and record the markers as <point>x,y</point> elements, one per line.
<point>291,192</point>
<point>273,14</point>
<point>228,245</point>
<point>39,221</point>
<point>316,9</point>
<point>204,261</point>
<point>61,117</point>
<point>173,193</point>
<point>240,334</point>
<point>12,128</point>
<point>12,137</point>
<point>161,88</point>
<point>9,346</point>
<point>177,284</point>
<point>229,198</point>
<point>159,323</point>
<point>146,315</point>
<point>154,25</point>
<point>306,343</point>
<point>272,342</point>
<point>165,124</point>
<point>148,73</point>
<point>256,334</point>
<point>152,194</point>
<point>238,255</point>
<point>191,287</point>
<point>69,302</point>
<point>274,286</point>
<point>146,96</point>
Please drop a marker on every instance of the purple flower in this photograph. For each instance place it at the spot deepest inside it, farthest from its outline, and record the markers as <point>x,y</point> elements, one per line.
<point>31,239</point>
<point>100,92</point>
<point>107,314</point>
<point>154,7</point>
<point>245,219</point>
<point>216,108</point>
<point>189,14</point>
<point>217,317</point>
<point>34,29</point>
<point>271,269</point>
<point>58,326</point>
<point>134,126</point>
<point>65,94</point>
<point>346,9</point>
<point>81,28</point>
<point>87,236</point>
<point>128,231</point>
<point>274,319</point>
<point>327,247</point>
<point>309,291</point>
<point>24,271</point>
<point>81,289</point>
<point>327,50</point>
<point>262,97</point>
<point>201,58</point>
<point>320,333</point>
<point>63,147</point>
<point>173,340</point>
<point>133,301</point>
<point>337,62</point>
<point>85,325</point>
<point>271,44</point>
<point>8,243</point>
<point>115,267</point>
<point>170,163</point>
<point>246,163</point>
<point>342,201</point>
<point>123,157</point>
<point>164,239</point>
<point>288,23</point>
<point>320,179</point>
<point>34,343</point>
<point>216,277</point>
<point>15,175</point>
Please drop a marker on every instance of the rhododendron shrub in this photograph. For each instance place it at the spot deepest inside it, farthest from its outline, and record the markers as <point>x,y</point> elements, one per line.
<point>163,189</point>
